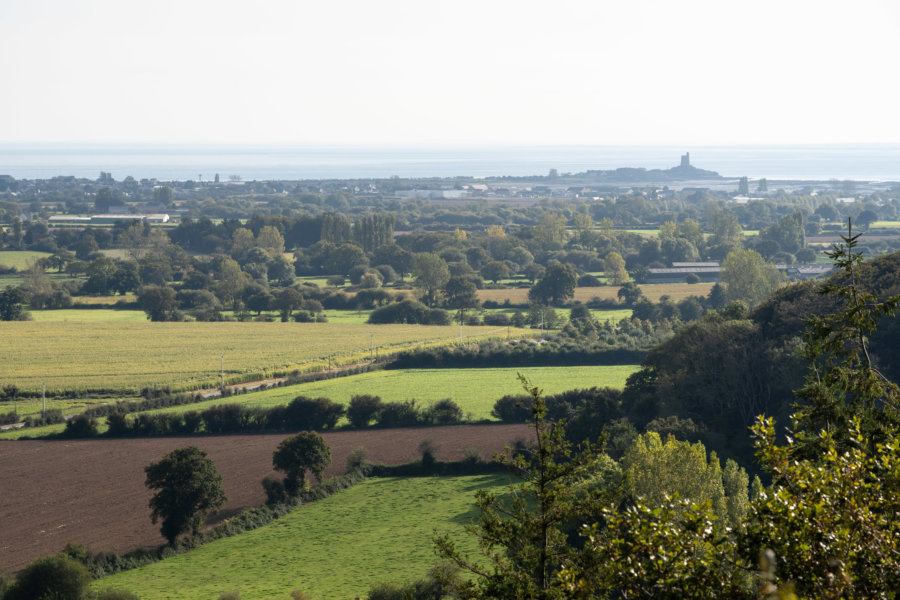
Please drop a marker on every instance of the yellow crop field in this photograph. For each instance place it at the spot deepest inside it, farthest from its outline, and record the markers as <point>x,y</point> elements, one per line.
<point>90,356</point>
<point>675,291</point>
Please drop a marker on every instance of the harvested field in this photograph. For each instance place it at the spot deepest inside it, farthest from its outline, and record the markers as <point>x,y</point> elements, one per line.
<point>675,291</point>
<point>92,491</point>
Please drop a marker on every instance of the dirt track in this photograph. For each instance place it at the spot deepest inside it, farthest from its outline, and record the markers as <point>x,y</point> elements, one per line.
<point>92,491</point>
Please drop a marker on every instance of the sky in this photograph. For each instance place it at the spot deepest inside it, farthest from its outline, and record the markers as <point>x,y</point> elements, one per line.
<point>433,72</point>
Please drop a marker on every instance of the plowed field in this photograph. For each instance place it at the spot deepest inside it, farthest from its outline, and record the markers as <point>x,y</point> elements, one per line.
<point>92,491</point>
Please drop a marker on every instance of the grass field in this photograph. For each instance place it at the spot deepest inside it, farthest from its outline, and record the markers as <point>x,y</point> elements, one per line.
<point>87,356</point>
<point>475,390</point>
<point>89,315</point>
<point>20,259</point>
<point>334,549</point>
<point>35,432</point>
<point>675,291</point>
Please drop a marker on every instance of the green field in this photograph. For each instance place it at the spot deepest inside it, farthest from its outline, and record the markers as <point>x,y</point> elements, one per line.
<point>475,390</point>
<point>89,315</point>
<point>334,549</point>
<point>85,356</point>
<point>20,259</point>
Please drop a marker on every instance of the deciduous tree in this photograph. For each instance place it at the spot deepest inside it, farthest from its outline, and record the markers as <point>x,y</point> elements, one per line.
<point>431,273</point>
<point>306,451</point>
<point>556,286</point>
<point>188,488</point>
<point>748,277</point>
<point>159,303</point>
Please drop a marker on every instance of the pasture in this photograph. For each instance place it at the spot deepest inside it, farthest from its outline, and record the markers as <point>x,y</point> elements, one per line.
<point>474,390</point>
<point>21,259</point>
<point>127,356</point>
<point>377,531</point>
<point>88,315</point>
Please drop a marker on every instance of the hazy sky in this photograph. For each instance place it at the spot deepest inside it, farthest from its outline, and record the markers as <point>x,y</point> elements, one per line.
<point>460,73</point>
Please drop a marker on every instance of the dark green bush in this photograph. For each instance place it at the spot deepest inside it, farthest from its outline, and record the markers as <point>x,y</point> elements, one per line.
<point>409,311</point>
<point>443,412</point>
<point>362,409</point>
<point>275,491</point>
<point>80,427</point>
<point>398,414</point>
<point>55,577</point>
<point>308,414</point>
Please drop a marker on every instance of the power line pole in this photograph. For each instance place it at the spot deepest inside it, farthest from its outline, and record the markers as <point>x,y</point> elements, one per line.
<point>43,400</point>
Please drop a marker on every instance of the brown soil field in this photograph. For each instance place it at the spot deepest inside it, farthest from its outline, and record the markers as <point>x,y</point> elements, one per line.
<point>675,291</point>
<point>92,491</point>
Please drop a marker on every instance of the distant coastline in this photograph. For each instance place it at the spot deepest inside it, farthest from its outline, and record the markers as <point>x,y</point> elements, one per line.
<point>167,162</point>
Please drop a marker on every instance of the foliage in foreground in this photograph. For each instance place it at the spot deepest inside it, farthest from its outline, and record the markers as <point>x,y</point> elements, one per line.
<point>524,540</point>
<point>827,526</point>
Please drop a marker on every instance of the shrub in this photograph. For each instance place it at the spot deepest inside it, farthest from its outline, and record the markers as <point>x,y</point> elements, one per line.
<point>311,413</point>
<point>513,408</point>
<point>356,458</point>
<point>428,449</point>
<point>225,418</point>
<point>411,312</point>
<point>362,409</point>
<point>444,412</point>
<point>117,425</point>
<point>58,577</point>
<point>398,414</point>
<point>275,491</point>
<point>51,416</point>
<point>497,319</point>
<point>80,427</point>
<point>472,454</point>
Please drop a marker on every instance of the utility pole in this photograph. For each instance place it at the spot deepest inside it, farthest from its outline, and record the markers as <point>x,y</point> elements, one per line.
<point>43,400</point>
<point>223,370</point>
<point>371,346</point>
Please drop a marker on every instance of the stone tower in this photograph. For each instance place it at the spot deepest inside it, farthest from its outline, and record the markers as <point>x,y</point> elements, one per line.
<point>686,160</point>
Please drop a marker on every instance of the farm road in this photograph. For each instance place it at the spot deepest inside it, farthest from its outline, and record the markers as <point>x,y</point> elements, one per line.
<point>92,491</point>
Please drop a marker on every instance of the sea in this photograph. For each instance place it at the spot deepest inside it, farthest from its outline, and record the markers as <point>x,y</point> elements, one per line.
<point>202,162</point>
